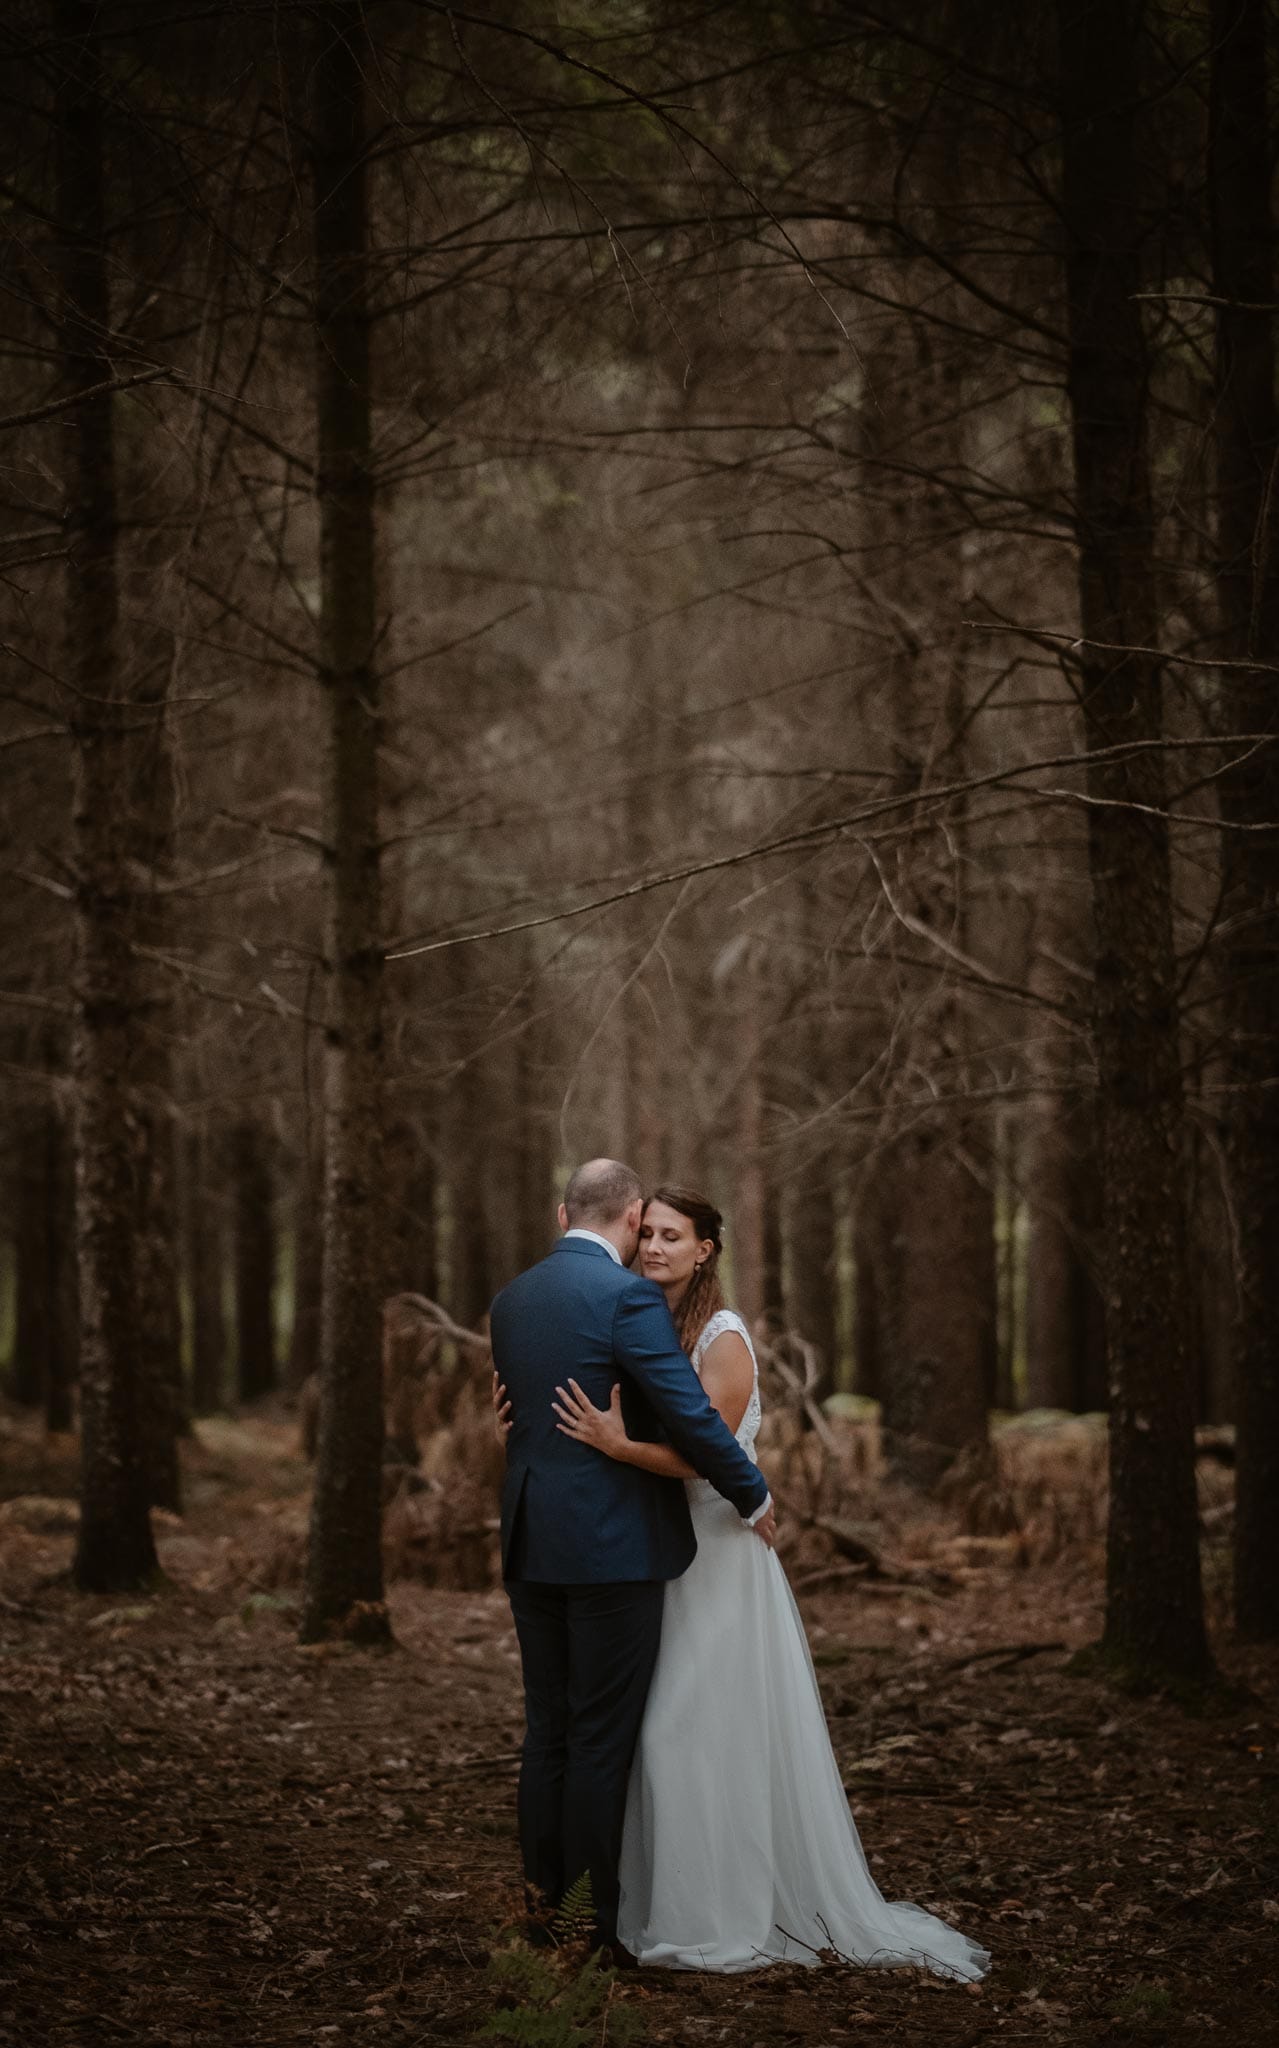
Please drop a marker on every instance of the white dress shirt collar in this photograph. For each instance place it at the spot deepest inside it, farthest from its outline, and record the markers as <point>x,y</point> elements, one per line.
<point>595,1238</point>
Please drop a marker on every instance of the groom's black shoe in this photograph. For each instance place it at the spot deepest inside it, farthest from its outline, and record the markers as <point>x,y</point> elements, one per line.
<point>614,1957</point>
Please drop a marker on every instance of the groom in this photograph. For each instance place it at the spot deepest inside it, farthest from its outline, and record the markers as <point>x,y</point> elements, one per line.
<point>588,1542</point>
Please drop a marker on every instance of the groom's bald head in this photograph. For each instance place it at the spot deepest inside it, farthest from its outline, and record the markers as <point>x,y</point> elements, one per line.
<point>600,1193</point>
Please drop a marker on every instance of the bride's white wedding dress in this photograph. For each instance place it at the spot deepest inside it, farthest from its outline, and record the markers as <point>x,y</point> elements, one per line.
<point>739,1848</point>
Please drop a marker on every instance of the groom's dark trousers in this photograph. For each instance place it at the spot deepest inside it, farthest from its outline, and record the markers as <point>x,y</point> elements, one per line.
<point>588,1654</point>
<point>588,1543</point>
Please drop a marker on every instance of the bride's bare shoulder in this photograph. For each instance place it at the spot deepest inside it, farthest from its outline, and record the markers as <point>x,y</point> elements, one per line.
<point>727,1323</point>
<point>726,1342</point>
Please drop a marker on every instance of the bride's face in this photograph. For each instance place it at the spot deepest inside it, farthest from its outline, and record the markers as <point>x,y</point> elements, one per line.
<point>670,1250</point>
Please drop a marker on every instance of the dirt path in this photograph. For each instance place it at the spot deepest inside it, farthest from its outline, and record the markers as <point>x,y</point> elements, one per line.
<point>212,1836</point>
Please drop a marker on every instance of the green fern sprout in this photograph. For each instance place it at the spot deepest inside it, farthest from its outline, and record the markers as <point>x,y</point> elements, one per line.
<point>574,1922</point>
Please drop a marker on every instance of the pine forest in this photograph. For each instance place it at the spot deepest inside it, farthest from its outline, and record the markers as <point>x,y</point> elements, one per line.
<point>696,584</point>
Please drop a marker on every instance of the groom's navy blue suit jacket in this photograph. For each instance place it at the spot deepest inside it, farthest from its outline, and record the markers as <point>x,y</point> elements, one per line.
<point>571,1516</point>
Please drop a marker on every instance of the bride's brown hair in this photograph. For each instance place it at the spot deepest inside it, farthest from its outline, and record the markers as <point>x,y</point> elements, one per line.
<point>703,1297</point>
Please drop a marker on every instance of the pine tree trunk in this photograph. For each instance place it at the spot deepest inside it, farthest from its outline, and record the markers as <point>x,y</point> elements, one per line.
<point>344,1582</point>
<point>535,1194</point>
<point>64,1353</point>
<point>868,1267</point>
<point>1065,1338</point>
<point>471,1276</point>
<point>1209,1201</point>
<point>1154,1605</point>
<point>35,1333</point>
<point>1247,436</point>
<point>811,1307</point>
<point>158,1335</point>
<point>811,1277</point>
<point>1001,1392</point>
<point>205,1252</point>
<point>467,1134</point>
<point>159,1332</point>
<point>424,1197</point>
<point>934,1299</point>
<point>535,1179</point>
<point>647,1139</point>
<point>749,1204</point>
<point>929,1207</point>
<point>772,1283</point>
<point>115,1551</point>
<point>471,1287</point>
<point>398,1191</point>
<point>308,1273</point>
<point>255,1262</point>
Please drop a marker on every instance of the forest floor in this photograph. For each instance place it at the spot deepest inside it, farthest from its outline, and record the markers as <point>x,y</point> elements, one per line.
<point>212,1835</point>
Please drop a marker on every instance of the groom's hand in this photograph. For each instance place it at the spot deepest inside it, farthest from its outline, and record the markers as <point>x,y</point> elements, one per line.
<point>766,1527</point>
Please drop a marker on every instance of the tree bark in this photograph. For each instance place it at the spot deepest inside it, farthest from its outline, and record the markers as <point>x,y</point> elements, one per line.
<point>158,1335</point>
<point>1154,1605</point>
<point>811,1276</point>
<point>1065,1332</point>
<point>772,1288</point>
<point>811,1307</point>
<point>1001,1389</point>
<point>35,1333</point>
<point>470,1262</point>
<point>1247,450</point>
<point>344,1582</point>
<point>115,1550</point>
<point>205,1251</point>
<point>934,1304</point>
<point>646,1142</point>
<point>308,1273</point>
<point>929,1213</point>
<point>467,1119</point>
<point>402,1194</point>
<point>255,1263</point>
<point>45,1342</point>
<point>868,1265</point>
<point>64,1354</point>
<point>1209,1207</point>
<point>535,1166</point>
<point>748,1242</point>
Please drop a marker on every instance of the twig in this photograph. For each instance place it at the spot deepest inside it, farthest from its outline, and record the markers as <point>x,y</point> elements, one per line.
<point>923,802</point>
<point>1015,1653</point>
<point>829,1575</point>
<point>440,1320</point>
<point>162,373</point>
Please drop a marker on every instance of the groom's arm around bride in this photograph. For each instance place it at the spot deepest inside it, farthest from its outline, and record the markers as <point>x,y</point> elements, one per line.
<point>648,1349</point>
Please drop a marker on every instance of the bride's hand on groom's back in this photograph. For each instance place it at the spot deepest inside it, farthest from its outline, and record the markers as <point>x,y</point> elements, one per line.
<point>501,1411</point>
<point>602,1429</point>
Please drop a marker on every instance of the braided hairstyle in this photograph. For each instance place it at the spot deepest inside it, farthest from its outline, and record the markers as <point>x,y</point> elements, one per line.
<point>703,1297</point>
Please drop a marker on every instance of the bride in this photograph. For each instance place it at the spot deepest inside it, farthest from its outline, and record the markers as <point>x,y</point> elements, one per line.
<point>739,1848</point>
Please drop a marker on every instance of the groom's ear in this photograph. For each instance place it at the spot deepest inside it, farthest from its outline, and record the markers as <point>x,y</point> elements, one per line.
<point>561,1217</point>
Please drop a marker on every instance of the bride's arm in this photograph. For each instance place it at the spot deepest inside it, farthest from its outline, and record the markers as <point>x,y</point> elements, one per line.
<point>604,1430</point>
<point>727,1375</point>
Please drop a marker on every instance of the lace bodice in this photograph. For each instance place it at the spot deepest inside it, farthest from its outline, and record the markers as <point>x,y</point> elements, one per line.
<point>727,1319</point>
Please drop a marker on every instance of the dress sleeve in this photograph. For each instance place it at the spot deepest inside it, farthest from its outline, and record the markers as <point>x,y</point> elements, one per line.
<point>646,1347</point>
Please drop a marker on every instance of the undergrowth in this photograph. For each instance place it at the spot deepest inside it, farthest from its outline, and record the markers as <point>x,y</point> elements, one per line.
<point>561,1996</point>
